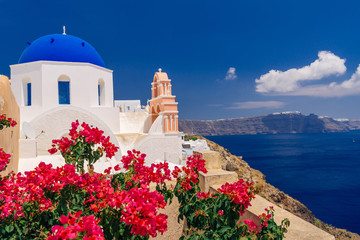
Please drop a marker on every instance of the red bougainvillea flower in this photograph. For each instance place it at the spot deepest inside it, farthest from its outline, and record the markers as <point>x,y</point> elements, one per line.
<point>117,168</point>
<point>6,122</point>
<point>86,226</point>
<point>139,210</point>
<point>239,192</point>
<point>251,224</point>
<point>143,175</point>
<point>189,173</point>
<point>202,195</point>
<point>196,163</point>
<point>108,170</point>
<point>4,159</point>
<point>265,217</point>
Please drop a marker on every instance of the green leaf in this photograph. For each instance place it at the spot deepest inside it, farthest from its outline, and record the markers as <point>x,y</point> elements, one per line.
<point>9,228</point>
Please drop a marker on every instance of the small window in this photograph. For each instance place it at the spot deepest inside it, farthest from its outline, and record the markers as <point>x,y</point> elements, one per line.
<point>101,92</point>
<point>64,92</point>
<point>28,91</point>
<point>99,95</point>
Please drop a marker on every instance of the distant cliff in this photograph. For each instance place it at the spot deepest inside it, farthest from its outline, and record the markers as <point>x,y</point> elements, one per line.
<point>289,122</point>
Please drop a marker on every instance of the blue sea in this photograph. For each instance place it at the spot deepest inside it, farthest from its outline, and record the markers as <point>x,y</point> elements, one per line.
<point>320,170</point>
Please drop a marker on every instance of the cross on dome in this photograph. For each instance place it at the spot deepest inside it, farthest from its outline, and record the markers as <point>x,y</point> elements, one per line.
<point>64,30</point>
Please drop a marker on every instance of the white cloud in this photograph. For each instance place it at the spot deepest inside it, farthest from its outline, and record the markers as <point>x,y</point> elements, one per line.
<point>252,105</point>
<point>346,88</point>
<point>276,81</point>
<point>231,74</point>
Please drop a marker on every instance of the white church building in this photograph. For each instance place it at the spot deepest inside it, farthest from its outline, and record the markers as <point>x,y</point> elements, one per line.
<point>61,78</point>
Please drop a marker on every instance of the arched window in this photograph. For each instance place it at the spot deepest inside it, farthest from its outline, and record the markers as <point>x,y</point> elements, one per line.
<point>64,89</point>
<point>101,92</point>
<point>27,91</point>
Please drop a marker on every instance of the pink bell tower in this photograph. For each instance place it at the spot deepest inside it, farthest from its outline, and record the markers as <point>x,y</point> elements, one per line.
<point>163,102</point>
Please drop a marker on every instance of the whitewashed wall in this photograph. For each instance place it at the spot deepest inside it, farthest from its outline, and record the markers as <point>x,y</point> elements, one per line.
<point>84,80</point>
<point>161,147</point>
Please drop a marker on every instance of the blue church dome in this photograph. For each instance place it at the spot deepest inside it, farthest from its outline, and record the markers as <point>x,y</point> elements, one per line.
<point>62,48</point>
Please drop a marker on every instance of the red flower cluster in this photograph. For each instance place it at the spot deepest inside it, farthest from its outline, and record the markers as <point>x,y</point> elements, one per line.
<point>157,173</point>
<point>134,159</point>
<point>196,163</point>
<point>139,208</point>
<point>86,226</point>
<point>189,173</point>
<point>6,122</point>
<point>202,195</point>
<point>15,190</point>
<point>62,144</point>
<point>251,224</point>
<point>117,168</point>
<point>4,159</point>
<point>265,217</point>
<point>87,134</point>
<point>11,198</point>
<point>239,192</point>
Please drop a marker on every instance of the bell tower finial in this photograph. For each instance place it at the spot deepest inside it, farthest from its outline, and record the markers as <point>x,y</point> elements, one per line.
<point>160,70</point>
<point>64,30</point>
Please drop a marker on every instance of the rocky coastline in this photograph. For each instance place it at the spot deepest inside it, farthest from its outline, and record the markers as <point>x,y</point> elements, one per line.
<point>236,163</point>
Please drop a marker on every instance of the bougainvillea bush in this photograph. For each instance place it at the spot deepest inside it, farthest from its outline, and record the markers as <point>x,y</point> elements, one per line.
<point>217,216</point>
<point>85,144</point>
<point>65,203</point>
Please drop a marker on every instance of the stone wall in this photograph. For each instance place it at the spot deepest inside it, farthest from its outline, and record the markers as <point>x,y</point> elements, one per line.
<point>9,137</point>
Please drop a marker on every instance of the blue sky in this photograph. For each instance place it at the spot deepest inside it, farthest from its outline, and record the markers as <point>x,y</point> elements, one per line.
<point>226,59</point>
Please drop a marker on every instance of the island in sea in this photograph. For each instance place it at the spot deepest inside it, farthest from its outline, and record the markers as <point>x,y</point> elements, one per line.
<point>284,122</point>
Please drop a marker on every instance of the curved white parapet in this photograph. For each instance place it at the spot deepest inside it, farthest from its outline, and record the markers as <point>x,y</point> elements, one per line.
<point>28,130</point>
<point>29,164</point>
<point>56,123</point>
<point>147,124</point>
<point>157,126</point>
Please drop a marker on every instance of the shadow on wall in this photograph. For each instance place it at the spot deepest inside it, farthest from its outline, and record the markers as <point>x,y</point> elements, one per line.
<point>9,137</point>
